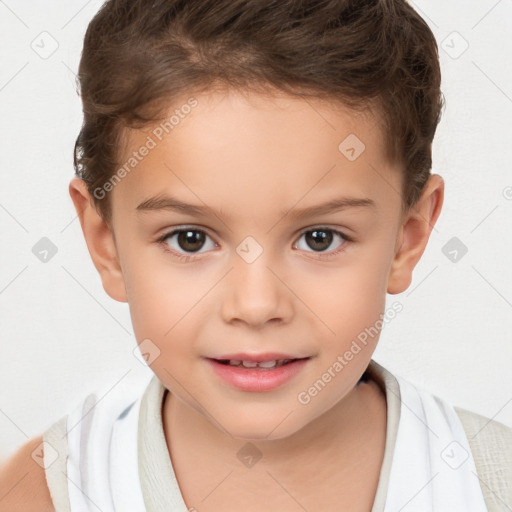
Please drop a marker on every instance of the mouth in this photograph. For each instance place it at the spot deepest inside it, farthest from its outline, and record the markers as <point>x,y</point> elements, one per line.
<point>263,365</point>
<point>250,374</point>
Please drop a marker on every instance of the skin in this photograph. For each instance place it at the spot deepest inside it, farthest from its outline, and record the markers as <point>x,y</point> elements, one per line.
<point>23,486</point>
<point>249,158</point>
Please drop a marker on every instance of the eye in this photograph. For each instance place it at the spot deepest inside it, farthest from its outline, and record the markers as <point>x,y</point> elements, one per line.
<point>187,239</point>
<point>185,242</point>
<point>321,238</point>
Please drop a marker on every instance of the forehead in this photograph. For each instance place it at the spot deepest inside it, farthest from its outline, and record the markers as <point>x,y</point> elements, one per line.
<point>231,147</point>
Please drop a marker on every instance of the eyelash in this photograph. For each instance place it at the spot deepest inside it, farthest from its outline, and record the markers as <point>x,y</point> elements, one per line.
<point>186,258</point>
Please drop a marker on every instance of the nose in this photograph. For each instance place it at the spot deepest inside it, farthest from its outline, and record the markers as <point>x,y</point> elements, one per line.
<point>255,294</point>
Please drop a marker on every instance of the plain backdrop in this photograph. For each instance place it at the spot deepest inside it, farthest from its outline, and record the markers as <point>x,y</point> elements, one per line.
<point>62,336</point>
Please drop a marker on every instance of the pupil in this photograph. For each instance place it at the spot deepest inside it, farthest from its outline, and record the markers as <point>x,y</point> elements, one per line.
<point>187,239</point>
<point>320,239</point>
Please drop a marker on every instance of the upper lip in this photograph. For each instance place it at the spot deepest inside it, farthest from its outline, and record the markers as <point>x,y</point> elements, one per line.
<point>257,358</point>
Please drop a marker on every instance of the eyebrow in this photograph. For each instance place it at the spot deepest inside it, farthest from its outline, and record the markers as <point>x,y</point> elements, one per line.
<point>168,203</point>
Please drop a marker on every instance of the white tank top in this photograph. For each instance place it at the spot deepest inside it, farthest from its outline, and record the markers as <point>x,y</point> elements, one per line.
<point>102,455</point>
<point>432,468</point>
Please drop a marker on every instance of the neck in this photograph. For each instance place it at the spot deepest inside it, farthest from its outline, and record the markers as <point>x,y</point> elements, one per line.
<point>345,428</point>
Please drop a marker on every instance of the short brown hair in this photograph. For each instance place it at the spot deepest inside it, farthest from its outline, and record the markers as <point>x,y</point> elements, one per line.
<point>141,55</point>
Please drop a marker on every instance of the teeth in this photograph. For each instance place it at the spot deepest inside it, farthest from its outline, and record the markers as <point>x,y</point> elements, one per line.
<point>268,364</point>
<point>254,364</point>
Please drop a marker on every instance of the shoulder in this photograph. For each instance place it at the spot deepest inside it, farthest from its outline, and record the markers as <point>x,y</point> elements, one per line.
<point>488,433</point>
<point>491,447</point>
<point>23,482</point>
<point>475,421</point>
<point>35,477</point>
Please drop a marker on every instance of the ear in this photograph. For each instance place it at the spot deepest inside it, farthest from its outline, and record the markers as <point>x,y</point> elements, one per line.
<point>414,233</point>
<point>100,241</point>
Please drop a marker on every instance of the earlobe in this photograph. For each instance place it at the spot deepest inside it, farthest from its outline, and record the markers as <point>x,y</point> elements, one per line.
<point>414,234</point>
<point>100,241</point>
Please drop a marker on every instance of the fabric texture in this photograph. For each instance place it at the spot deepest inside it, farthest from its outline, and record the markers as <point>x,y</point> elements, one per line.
<point>432,468</point>
<point>55,460</point>
<point>490,443</point>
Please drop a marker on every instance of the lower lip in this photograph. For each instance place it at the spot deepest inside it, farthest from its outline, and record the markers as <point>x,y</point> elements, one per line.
<point>257,379</point>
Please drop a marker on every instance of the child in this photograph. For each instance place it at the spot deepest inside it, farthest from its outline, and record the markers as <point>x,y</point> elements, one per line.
<point>291,142</point>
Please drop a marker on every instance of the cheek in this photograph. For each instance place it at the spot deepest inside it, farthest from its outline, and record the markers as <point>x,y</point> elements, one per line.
<point>352,300</point>
<point>161,301</point>
<point>162,313</point>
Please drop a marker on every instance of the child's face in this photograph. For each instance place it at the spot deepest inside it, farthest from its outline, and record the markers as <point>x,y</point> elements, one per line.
<point>255,283</point>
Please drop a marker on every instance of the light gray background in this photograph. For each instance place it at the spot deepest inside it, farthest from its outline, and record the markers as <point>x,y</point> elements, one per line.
<point>61,334</point>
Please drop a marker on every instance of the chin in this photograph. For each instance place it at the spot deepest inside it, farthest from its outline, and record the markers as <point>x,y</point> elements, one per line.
<point>267,427</point>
